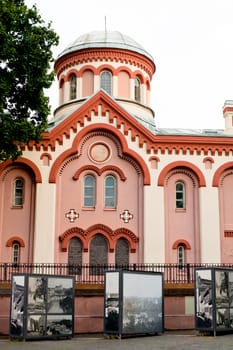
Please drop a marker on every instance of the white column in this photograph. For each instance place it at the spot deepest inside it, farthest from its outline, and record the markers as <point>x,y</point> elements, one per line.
<point>79,88</point>
<point>131,94</point>
<point>115,86</point>
<point>154,230</point>
<point>44,223</point>
<point>96,83</point>
<point>209,225</point>
<point>66,91</point>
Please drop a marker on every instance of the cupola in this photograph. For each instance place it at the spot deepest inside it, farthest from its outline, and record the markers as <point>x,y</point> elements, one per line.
<point>110,61</point>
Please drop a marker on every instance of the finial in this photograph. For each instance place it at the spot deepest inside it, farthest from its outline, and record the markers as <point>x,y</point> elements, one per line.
<point>105,25</point>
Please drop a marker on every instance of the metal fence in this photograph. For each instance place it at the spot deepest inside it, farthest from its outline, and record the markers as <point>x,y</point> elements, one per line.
<point>94,274</point>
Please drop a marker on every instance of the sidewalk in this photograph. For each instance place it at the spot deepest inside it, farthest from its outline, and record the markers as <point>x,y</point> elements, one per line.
<point>166,341</point>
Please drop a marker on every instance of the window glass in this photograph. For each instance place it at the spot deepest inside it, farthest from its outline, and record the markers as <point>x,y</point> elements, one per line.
<point>18,192</point>
<point>89,191</point>
<point>137,90</point>
<point>73,86</point>
<point>122,252</point>
<point>180,255</point>
<point>98,254</point>
<point>106,82</point>
<point>110,192</point>
<point>180,195</point>
<point>15,253</point>
<point>75,256</point>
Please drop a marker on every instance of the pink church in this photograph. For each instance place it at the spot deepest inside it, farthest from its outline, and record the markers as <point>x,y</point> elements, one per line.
<point>105,185</point>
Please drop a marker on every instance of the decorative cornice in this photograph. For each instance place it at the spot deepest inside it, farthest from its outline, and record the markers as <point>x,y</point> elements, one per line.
<point>100,171</point>
<point>219,172</point>
<point>25,162</point>
<point>107,128</point>
<point>113,55</point>
<point>228,233</point>
<point>182,242</point>
<point>86,235</point>
<point>120,119</point>
<point>181,164</point>
<point>15,239</point>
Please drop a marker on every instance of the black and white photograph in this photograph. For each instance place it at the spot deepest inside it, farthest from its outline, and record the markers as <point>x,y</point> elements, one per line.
<point>230,288</point>
<point>17,306</point>
<point>60,295</point>
<point>59,325</point>
<point>204,299</point>
<point>221,289</point>
<point>231,318</point>
<point>37,290</point>
<point>42,306</point>
<point>222,319</point>
<point>36,325</point>
<point>142,303</point>
<point>112,301</point>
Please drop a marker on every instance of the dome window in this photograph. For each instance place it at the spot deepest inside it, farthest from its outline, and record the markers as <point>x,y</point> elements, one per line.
<point>137,89</point>
<point>73,86</point>
<point>106,81</point>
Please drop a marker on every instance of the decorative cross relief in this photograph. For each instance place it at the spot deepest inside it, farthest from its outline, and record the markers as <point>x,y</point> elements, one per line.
<point>72,215</point>
<point>126,216</point>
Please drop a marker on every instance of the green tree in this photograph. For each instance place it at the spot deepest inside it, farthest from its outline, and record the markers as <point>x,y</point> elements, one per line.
<point>25,72</point>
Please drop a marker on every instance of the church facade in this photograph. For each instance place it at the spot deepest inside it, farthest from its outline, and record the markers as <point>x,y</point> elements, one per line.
<point>105,185</point>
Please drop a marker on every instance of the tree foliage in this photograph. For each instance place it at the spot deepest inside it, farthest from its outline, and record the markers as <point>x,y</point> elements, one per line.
<point>25,61</point>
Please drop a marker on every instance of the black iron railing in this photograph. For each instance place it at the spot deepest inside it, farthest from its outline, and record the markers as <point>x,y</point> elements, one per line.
<point>94,274</point>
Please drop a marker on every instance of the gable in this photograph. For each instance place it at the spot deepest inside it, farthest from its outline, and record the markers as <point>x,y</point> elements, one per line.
<point>100,104</point>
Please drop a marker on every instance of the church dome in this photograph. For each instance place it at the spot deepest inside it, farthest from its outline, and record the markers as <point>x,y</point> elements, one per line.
<point>105,39</point>
<point>107,60</point>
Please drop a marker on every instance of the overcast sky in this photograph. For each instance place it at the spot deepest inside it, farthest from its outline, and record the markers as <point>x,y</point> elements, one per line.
<point>191,42</point>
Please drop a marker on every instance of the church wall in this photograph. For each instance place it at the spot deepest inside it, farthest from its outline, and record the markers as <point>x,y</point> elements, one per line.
<point>17,221</point>
<point>70,193</point>
<point>182,224</point>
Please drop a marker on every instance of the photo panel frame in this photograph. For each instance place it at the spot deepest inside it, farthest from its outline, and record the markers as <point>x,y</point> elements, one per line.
<point>133,303</point>
<point>42,306</point>
<point>214,300</point>
<point>17,306</point>
<point>204,299</point>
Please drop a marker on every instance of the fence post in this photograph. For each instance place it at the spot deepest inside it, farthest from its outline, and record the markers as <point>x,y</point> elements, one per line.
<point>5,272</point>
<point>188,273</point>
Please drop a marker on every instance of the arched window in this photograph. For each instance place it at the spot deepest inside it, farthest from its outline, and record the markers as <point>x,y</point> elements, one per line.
<point>137,89</point>
<point>180,255</point>
<point>98,255</point>
<point>180,195</point>
<point>75,256</point>
<point>110,192</point>
<point>15,253</point>
<point>122,252</point>
<point>18,192</point>
<point>89,191</point>
<point>73,86</point>
<point>106,81</point>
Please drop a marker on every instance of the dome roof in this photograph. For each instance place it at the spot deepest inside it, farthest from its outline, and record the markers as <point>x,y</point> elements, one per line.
<point>105,39</point>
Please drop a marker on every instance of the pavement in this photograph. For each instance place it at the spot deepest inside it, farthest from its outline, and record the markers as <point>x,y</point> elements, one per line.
<point>165,341</point>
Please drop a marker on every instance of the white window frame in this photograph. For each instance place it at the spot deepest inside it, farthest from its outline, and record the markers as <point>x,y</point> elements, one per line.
<point>92,188</point>
<point>110,198</point>
<point>182,193</point>
<point>18,197</point>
